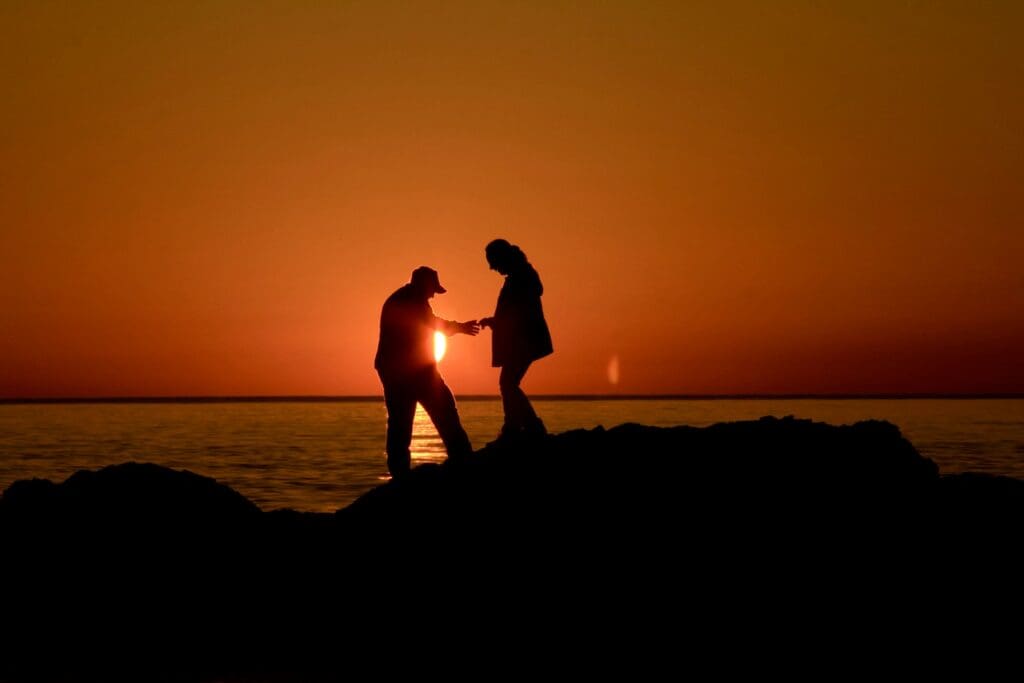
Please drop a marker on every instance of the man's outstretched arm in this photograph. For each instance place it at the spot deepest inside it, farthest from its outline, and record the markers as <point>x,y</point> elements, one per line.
<point>450,327</point>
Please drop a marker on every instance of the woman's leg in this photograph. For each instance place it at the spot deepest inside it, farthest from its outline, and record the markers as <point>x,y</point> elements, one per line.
<point>519,413</point>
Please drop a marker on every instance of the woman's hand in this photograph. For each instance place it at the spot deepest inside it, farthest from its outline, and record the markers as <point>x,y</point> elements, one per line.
<point>487,322</point>
<point>470,327</point>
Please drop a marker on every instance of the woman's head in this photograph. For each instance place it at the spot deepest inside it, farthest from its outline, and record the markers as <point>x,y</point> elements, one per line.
<point>503,256</point>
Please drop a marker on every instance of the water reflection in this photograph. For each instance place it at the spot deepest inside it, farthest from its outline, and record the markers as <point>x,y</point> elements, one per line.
<point>320,456</point>
<point>426,443</point>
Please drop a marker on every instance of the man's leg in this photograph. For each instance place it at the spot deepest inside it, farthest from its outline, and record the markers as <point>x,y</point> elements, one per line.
<point>400,400</point>
<point>438,401</point>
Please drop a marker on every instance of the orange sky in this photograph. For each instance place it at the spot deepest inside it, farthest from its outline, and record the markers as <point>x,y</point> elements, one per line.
<point>215,198</point>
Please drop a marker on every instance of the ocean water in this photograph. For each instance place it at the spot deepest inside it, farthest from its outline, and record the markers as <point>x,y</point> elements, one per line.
<point>321,455</point>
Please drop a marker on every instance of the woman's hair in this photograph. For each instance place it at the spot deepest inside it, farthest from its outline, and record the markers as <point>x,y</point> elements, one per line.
<point>501,251</point>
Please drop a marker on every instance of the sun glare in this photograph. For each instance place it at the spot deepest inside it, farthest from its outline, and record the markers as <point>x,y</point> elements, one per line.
<point>440,345</point>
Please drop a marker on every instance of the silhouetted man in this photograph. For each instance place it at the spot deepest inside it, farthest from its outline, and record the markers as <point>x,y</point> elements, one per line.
<point>407,369</point>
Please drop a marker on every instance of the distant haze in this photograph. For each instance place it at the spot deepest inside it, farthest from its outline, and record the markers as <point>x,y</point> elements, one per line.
<point>215,198</point>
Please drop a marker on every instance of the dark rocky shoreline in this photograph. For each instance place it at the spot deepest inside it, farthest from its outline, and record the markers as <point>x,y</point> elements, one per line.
<point>589,532</point>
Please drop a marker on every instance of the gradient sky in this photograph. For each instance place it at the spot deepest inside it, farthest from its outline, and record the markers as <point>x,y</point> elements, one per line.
<point>215,198</point>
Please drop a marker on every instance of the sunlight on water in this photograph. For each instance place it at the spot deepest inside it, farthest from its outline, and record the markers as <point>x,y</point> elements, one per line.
<point>426,444</point>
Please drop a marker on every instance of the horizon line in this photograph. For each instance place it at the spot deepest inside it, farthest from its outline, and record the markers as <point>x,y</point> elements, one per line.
<point>317,398</point>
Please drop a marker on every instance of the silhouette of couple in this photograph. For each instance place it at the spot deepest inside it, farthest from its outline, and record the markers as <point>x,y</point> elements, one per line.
<point>408,371</point>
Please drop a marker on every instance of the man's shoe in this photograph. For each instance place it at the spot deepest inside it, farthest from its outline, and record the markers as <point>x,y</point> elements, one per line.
<point>459,459</point>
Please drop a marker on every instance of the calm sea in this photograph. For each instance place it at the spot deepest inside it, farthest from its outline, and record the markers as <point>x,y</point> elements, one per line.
<point>322,455</point>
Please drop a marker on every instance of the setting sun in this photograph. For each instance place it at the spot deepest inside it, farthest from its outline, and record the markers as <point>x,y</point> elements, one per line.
<point>440,345</point>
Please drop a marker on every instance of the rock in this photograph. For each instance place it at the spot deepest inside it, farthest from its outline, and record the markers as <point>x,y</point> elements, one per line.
<point>587,533</point>
<point>136,503</point>
<point>722,478</point>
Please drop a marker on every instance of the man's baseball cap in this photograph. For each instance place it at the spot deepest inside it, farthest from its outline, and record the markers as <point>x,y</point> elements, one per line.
<point>427,277</point>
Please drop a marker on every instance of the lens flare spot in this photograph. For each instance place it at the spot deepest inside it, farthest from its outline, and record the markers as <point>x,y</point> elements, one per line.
<point>613,370</point>
<point>440,345</point>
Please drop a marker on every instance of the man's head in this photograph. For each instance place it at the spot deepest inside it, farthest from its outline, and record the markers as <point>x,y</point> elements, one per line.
<point>425,279</point>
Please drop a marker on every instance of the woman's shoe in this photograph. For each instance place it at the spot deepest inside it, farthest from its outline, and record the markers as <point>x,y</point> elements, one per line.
<point>507,435</point>
<point>535,430</point>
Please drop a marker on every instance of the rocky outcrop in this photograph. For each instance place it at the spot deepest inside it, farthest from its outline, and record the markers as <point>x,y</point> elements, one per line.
<point>662,477</point>
<point>583,530</point>
<point>128,494</point>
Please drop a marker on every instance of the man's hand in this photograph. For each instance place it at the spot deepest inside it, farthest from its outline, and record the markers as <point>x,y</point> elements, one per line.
<point>487,322</point>
<point>470,327</point>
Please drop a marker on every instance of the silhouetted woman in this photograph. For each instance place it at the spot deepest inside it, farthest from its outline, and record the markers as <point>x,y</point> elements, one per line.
<point>519,336</point>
